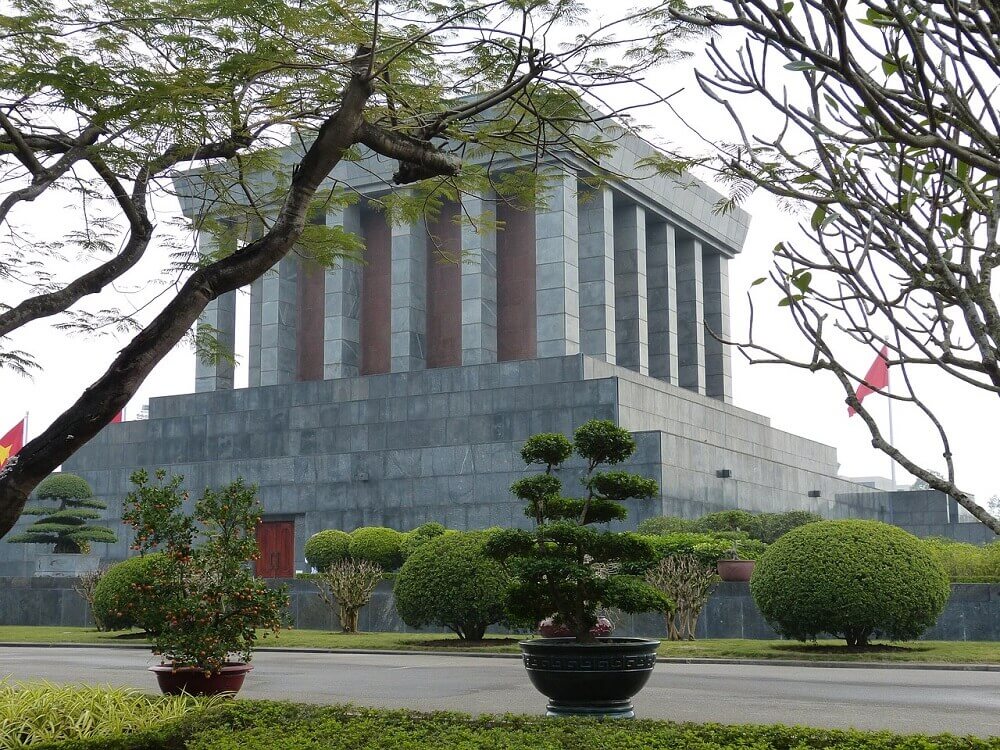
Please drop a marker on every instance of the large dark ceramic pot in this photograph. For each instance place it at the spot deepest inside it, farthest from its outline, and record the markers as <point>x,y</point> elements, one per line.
<point>194,681</point>
<point>589,679</point>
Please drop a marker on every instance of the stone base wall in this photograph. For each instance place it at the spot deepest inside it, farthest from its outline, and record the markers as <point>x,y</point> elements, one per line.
<point>972,612</point>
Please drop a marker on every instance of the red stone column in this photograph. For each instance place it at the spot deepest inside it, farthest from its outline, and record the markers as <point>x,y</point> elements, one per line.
<point>516,296</point>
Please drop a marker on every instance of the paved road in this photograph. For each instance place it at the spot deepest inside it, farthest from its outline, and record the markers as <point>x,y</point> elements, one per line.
<point>905,700</point>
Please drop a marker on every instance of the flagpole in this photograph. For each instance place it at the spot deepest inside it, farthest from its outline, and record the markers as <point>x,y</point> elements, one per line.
<point>25,435</point>
<point>892,438</point>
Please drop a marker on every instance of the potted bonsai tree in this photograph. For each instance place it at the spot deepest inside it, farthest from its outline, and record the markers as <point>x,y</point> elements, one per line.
<point>206,603</point>
<point>738,562</point>
<point>567,570</point>
<point>66,525</point>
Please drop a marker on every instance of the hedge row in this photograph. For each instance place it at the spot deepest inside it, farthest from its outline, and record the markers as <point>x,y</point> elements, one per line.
<point>263,725</point>
<point>764,527</point>
<point>966,563</point>
<point>377,544</point>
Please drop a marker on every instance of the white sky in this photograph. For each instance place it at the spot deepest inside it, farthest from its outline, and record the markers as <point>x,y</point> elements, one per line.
<point>808,405</point>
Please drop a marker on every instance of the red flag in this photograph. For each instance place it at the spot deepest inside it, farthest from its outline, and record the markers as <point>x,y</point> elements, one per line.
<point>119,417</point>
<point>11,443</point>
<point>876,379</point>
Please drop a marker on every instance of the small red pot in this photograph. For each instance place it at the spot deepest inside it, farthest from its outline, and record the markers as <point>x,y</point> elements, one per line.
<point>194,681</point>
<point>735,570</point>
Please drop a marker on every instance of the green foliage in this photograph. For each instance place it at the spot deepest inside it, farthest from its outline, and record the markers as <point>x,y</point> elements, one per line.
<point>764,527</point>
<point>259,725</point>
<point>326,548</point>
<point>706,548</point>
<point>729,520</point>
<point>566,569</point>
<point>65,525</point>
<point>449,581</point>
<point>204,604</point>
<point>419,536</point>
<point>546,448</point>
<point>31,714</point>
<point>664,525</point>
<point>966,563</point>
<point>853,579</point>
<point>378,545</point>
<point>122,593</point>
<point>773,526</point>
<point>63,486</point>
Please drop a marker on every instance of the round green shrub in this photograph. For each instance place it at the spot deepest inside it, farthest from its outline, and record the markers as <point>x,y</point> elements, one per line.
<point>853,579</point>
<point>118,600</point>
<point>379,545</point>
<point>326,548</point>
<point>413,540</point>
<point>449,581</point>
<point>64,486</point>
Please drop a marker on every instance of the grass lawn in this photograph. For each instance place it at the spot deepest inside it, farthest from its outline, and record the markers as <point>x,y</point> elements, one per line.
<point>957,652</point>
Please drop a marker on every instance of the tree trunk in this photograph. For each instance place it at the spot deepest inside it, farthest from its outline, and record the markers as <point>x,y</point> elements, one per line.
<point>349,618</point>
<point>109,393</point>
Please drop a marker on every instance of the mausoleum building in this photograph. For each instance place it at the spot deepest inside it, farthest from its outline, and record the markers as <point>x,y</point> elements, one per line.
<point>399,390</point>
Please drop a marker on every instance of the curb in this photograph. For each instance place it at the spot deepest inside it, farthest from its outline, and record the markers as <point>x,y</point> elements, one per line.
<point>933,666</point>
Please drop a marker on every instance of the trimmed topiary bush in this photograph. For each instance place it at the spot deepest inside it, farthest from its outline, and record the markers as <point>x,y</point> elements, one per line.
<point>449,581</point>
<point>378,545</point>
<point>326,548</point>
<point>118,603</point>
<point>853,579</point>
<point>65,525</point>
<point>413,540</point>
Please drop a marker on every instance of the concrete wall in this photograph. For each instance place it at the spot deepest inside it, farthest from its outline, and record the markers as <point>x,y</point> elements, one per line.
<point>972,613</point>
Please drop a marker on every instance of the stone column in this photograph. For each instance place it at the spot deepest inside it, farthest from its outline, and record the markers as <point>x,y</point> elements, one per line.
<point>631,322</point>
<point>661,277</point>
<point>220,316</point>
<point>718,364</point>
<point>409,297</point>
<point>342,305</point>
<point>597,274</point>
<point>256,298</point>
<point>278,329</point>
<point>557,273</point>
<point>691,315</point>
<point>479,280</point>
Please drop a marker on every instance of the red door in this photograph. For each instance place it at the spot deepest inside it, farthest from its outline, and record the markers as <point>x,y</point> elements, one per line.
<point>276,540</point>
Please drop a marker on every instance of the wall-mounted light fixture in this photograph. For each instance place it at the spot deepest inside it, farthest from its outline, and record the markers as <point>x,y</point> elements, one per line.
<point>724,473</point>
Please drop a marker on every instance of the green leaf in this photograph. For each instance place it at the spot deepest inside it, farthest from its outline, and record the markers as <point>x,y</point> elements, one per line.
<point>757,282</point>
<point>786,8</point>
<point>952,221</point>
<point>790,299</point>
<point>818,217</point>
<point>888,66</point>
<point>802,281</point>
<point>805,179</point>
<point>800,65</point>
